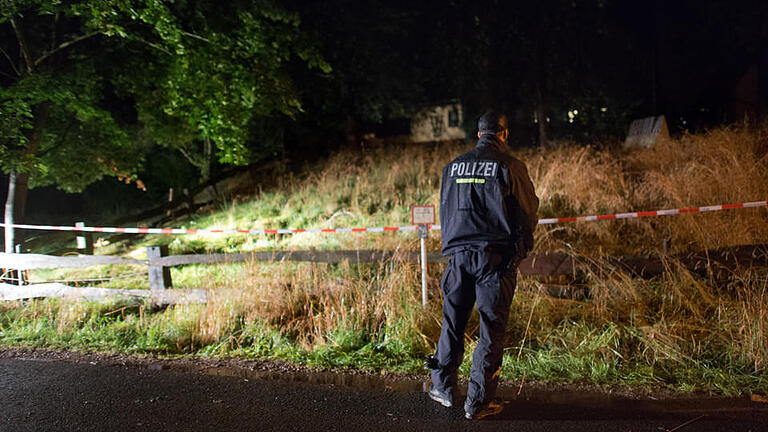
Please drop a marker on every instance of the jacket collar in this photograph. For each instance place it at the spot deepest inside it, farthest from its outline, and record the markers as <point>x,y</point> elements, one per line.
<point>491,140</point>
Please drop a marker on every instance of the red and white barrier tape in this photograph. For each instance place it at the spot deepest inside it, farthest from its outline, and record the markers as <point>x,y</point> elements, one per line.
<point>210,231</point>
<point>654,213</point>
<point>380,229</point>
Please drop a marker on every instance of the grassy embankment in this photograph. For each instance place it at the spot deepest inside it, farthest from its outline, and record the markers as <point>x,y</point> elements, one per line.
<point>681,330</point>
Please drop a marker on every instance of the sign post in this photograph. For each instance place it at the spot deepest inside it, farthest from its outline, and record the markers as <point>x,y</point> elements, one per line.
<point>423,217</point>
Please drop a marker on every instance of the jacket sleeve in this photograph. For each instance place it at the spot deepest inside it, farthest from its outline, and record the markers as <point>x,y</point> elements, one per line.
<point>522,188</point>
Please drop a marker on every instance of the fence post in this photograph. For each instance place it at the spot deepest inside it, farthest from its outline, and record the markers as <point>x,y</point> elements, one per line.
<point>84,240</point>
<point>20,273</point>
<point>170,202</point>
<point>159,276</point>
<point>423,234</point>
<point>423,217</point>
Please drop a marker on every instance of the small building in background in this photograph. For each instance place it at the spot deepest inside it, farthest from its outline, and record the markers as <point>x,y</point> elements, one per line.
<point>646,132</point>
<point>438,123</point>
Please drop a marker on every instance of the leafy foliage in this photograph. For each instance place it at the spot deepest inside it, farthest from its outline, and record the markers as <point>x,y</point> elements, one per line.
<point>82,141</point>
<point>234,72</point>
<point>56,125</point>
<point>90,64</point>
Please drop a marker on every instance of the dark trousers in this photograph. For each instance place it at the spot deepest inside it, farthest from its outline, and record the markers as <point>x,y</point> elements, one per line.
<point>489,280</point>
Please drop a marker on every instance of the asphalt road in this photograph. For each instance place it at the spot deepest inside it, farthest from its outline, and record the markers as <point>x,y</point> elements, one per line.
<point>94,393</point>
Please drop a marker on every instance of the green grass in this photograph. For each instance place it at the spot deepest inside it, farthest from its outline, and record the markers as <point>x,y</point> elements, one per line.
<point>574,353</point>
<point>681,331</point>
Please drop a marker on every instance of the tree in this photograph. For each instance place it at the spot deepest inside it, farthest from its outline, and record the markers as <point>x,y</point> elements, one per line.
<point>68,65</point>
<point>233,76</point>
<point>377,74</point>
<point>54,129</point>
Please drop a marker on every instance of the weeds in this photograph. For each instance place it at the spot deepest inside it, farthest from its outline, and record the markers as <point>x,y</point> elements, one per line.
<point>682,330</point>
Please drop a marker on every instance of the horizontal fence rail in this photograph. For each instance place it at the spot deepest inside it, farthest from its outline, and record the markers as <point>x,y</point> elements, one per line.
<point>10,292</point>
<point>542,264</point>
<point>332,257</point>
<point>36,261</point>
<point>552,263</point>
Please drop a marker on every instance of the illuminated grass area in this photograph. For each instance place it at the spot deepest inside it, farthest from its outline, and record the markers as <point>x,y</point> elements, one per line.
<point>680,330</point>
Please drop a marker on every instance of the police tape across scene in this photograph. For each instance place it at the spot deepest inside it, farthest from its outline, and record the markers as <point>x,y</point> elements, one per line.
<point>177,231</point>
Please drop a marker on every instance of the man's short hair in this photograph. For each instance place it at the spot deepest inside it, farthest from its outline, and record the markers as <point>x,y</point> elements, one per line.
<point>492,122</point>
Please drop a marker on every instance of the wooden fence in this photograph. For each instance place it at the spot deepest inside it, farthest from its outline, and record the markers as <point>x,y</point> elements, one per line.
<point>158,264</point>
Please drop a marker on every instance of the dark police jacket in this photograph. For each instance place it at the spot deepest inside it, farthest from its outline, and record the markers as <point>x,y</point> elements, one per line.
<point>487,202</point>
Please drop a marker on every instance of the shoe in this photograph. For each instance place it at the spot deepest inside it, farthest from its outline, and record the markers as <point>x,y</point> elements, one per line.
<point>444,398</point>
<point>431,363</point>
<point>490,409</point>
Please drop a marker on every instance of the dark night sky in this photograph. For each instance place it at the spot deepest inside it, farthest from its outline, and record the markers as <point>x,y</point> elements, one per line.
<point>680,58</point>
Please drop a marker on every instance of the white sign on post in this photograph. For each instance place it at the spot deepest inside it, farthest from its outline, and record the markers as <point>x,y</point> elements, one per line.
<point>423,216</point>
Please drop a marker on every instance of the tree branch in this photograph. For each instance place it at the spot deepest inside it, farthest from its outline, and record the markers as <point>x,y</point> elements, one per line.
<point>191,158</point>
<point>22,46</point>
<point>53,30</point>
<point>58,143</point>
<point>194,36</point>
<point>13,66</point>
<point>64,45</point>
<point>155,46</point>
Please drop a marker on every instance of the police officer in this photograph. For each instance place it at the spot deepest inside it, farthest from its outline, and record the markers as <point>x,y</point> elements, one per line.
<point>487,217</point>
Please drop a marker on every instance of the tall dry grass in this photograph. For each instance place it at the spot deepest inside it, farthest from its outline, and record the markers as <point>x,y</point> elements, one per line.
<point>626,328</point>
<point>686,318</point>
<point>320,304</point>
<point>376,185</point>
<point>678,319</point>
<point>721,166</point>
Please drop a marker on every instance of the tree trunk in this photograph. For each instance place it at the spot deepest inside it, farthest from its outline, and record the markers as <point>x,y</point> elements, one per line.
<point>202,160</point>
<point>205,169</point>
<point>9,201</point>
<point>541,115</point>
<point>40,113</point>
<point>350,131</point>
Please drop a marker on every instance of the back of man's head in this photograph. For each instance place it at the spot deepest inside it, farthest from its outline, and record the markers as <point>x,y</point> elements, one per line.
<point>491,122</point>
